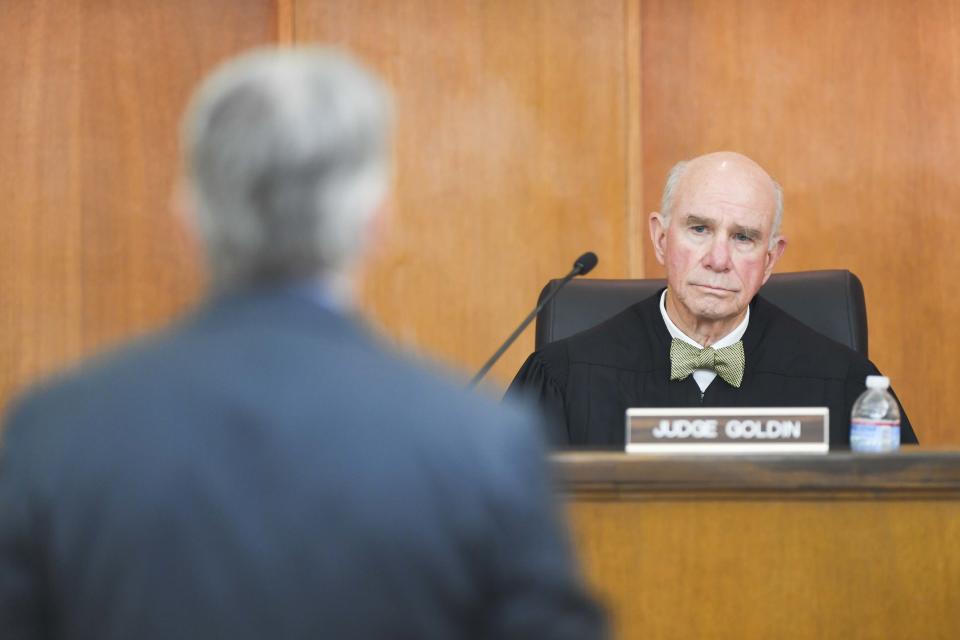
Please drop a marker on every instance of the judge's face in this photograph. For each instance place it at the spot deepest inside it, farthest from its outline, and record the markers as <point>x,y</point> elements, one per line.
<point>716,247</point>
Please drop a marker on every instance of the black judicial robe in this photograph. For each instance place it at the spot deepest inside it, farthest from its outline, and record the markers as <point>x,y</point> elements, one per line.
<point>585,383</point>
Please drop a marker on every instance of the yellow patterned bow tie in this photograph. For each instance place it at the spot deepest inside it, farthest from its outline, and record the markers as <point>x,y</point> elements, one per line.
<point>728,362</point>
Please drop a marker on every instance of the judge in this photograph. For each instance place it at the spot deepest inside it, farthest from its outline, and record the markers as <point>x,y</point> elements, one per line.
<point>708,339</point>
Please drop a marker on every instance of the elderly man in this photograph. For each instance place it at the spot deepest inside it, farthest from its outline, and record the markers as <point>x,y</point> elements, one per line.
<point>266,469</point>
<point>718,235</point>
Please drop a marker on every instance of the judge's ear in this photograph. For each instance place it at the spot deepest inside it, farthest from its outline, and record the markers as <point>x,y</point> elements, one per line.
<point>773,254</point>
<point>658,235</point>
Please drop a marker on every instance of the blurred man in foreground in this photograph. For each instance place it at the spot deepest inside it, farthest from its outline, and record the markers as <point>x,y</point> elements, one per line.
<point>708,339</point>
<point>265,468</point>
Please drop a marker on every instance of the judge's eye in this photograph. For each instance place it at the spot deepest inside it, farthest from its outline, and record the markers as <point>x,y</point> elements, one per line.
<point>742,237</point>
<point>700,228</point>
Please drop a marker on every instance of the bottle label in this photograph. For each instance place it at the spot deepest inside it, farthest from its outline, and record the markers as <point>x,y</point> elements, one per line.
<point>874,436</point>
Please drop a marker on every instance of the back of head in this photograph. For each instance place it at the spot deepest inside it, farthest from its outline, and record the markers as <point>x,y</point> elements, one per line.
<point>287,162</point>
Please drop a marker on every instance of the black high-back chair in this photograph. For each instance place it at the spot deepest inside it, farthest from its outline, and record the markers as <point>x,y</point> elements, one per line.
<point>829,302</point>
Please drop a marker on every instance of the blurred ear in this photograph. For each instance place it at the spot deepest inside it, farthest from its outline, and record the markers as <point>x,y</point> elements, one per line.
<point>658,235</point>
<point>773,254</point>
<point>183,205</point>
<point>379,229</point>
<point>379,242</point>
<point>184,209</point>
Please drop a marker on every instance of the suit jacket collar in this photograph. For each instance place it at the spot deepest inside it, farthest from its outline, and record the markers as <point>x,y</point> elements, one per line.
<point>287,308</point>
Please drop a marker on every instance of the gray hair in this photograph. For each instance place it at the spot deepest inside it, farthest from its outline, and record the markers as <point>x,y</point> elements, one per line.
<point>287,155</point>
<point>670,193</point>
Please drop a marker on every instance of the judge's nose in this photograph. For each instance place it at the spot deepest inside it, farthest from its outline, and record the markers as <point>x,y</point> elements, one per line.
<point>717,257</point>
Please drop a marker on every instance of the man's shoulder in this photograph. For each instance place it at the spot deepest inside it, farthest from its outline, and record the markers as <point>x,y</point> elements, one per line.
<point>72,414</point>
<point>434,398</point>
<point>77,385</point>
<point>789,346</point>
<point>189,375</point>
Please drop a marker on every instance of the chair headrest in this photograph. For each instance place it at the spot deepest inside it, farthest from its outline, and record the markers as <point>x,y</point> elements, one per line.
<point>829,302</point>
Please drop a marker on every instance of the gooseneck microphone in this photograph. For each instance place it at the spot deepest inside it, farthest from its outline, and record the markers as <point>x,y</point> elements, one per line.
<point>582,266</point>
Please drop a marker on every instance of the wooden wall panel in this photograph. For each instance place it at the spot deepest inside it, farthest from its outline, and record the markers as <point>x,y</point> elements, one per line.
<point>40,249</point>
<point>512,157</point>
<point>93,93</point>
<point>852,106</point>
<point>529,132</point>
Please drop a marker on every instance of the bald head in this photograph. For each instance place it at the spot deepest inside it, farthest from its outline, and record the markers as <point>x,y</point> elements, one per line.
<point>721,169</point>
<point>722,243</point>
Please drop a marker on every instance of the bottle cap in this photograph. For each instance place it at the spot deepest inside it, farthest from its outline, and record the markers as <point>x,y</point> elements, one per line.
<point>878,382</point>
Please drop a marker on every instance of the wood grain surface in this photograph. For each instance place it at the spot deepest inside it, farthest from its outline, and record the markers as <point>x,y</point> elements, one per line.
<point>910,472</point>
<point>512,158</point>
<point>753,557</point>
<point>93,94</point>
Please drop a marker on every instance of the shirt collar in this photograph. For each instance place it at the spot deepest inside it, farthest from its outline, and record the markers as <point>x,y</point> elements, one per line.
<point>325,293</point>
<point>725,341</point>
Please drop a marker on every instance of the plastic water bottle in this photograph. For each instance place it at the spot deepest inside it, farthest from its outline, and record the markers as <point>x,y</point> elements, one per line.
<point>875,419</point>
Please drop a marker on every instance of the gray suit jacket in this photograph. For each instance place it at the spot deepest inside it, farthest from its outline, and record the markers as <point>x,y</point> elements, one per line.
<point>265,469</point>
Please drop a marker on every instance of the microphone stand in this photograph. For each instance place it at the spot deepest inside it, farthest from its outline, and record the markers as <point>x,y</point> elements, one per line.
<point>578,268</point>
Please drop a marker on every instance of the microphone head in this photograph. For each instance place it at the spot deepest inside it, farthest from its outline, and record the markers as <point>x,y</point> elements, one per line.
<point>586,263</point>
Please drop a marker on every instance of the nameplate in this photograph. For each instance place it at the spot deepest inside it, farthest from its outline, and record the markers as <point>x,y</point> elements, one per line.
<point>737,430</point>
